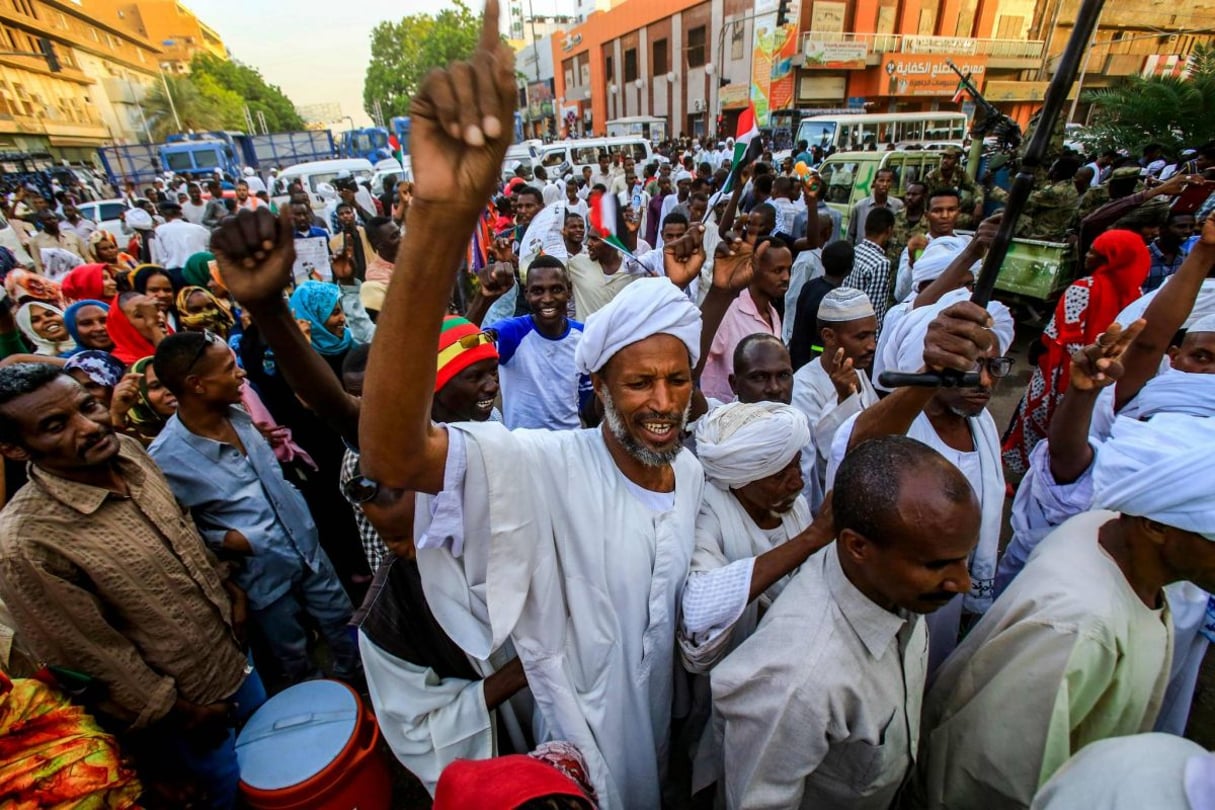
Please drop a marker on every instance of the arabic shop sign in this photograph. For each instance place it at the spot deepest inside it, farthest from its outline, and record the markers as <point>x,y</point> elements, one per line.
<point>825,55</point>
<point>910,74</point>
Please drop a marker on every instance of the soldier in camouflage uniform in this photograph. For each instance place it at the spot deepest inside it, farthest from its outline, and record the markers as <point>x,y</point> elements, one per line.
<point>950,175</point>
<point>1054,148</point>
<point>1123,182</point>
<point>1049,210</point>
<point>908,222</point>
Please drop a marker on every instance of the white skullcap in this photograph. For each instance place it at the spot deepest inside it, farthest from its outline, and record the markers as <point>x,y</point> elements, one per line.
<point>682,174</point>
<point>1154,469</point>
<point>1204,324</point>
<point>936,259</point>
<point>743,442</point>
<point>138,219</point>
<point>248,171</point>
<point>845,304</point>
<point>903,349</point>
<point>647,307</point>
<point>1174,391</point>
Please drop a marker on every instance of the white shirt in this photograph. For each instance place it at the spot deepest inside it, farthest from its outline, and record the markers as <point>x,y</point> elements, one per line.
<point>579,575</point>
<point>84,228</point>
<point>194,213</point>
<point>820,708</point>
<point>1068,655</point>
<point>178,240</point>
<point>540,382</point>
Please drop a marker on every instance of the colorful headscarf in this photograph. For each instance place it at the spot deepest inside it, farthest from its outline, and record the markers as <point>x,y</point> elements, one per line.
<point>215,316</point>
<point>143,274</point>
<point>461,343</point>
<point>314,301</point>
<point>24,285</point>
<point>101,367</point>
<point>129,344</point>
<point>85,281</point>
<point>143,418</point>
<point>197,270</point>
<point>48,348</point>
<point>69,315</point>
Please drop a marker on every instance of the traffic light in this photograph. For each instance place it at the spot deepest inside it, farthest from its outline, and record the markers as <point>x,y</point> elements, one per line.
<point>48,52</point>
<point>782,13</point>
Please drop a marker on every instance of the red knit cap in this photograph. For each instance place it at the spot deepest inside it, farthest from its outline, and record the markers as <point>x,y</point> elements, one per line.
<point>502,783</point>
<point>455,357</point>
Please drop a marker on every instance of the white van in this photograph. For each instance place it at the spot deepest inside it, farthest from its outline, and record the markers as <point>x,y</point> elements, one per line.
<point>313,174</point>
<point>573,155</point>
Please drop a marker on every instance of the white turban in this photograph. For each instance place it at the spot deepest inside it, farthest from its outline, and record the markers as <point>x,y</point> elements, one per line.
<point>682,175</point>
<point>936,259</point>
<point>1204,324</point>
<point>647,307</point>
<point>1174,391</point>
<point>1155,469</point>
<point>845,304</point>
<point>902,347</point>
<point>138,219</point>
<point>743,442</point>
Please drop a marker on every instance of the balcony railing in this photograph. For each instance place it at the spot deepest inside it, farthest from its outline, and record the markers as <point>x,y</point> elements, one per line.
<point>896,43</point>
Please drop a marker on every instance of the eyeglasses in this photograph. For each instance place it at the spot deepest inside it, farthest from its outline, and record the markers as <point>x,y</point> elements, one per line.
<point>479,339</point>
<point>209,339</point>
<point>998,367</point>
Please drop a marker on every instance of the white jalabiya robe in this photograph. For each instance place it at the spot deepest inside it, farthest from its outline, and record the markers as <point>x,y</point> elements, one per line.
<point>1068,655</point>
<point>429,722</point>
<point>984,471</point>
<point>542,542</point>
<point>814,395</point>
<point>716,615</point>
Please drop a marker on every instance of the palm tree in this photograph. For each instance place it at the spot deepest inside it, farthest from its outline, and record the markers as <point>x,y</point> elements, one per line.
<point>195,110</point>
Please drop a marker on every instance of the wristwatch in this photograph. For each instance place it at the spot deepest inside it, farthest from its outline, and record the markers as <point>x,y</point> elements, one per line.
<point>360,489</point>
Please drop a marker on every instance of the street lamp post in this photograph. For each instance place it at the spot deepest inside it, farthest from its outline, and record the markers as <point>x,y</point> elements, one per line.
<point>168,43</point>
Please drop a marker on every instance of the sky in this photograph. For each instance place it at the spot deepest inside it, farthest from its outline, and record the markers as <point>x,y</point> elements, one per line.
<point>317,50</point>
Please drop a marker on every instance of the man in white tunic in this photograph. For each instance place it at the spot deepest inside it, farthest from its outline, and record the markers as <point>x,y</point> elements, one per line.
<point>1078,649</point>
<point>820,707</point>
<point>953,421</point>
<point>835,385</point>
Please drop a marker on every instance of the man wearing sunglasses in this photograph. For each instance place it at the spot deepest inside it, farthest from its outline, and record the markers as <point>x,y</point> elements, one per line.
<point>954,421</point>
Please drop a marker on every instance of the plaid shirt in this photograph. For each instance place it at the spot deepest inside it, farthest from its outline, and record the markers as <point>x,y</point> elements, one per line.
<point>373,547</point>
<point>871,275</point>
<point>1161,268</point>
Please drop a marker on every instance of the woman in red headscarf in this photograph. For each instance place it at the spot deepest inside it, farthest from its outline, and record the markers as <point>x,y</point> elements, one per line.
<point>89,281</point>
<point>1117,264</point>
<point>136,325</point>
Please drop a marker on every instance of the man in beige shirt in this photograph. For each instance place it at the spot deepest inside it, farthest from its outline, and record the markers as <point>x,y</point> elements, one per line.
<point>51,236</point>
<point>105,576</point>
<point>821,706</point>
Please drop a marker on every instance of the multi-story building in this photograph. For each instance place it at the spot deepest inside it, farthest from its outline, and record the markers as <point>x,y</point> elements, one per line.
<point>168,23</point>
<point>697,63</point>
<point>92,100</point>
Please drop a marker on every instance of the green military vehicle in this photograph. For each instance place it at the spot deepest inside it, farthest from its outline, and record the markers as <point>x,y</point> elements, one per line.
<point>1034,272</point>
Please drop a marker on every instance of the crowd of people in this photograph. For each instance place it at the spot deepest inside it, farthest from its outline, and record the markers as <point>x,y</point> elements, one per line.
<point>592,486</point>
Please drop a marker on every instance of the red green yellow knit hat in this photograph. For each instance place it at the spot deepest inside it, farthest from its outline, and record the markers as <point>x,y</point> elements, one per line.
<point>461,343</point>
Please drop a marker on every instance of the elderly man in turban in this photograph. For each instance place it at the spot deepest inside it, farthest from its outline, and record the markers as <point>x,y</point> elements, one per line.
<point>834,386</point>
<point>820,707</point>
<point>953,421</point>
<point>1078,648</point>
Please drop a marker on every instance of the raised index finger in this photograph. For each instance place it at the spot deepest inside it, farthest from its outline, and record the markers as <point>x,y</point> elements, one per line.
<point>489,27</point>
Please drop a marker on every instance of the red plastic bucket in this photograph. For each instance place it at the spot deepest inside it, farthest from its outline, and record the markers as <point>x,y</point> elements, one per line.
<point>313,746</point>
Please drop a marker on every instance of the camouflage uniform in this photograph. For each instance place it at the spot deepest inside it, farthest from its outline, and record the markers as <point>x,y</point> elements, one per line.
<point>1054,149</point>
<point>903,231</point>
<point>972,195</point>
<point>1048,212</point>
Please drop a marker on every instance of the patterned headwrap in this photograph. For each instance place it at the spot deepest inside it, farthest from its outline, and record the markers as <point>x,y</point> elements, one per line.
<point>100,367</point>
<point>24,285</point>
<point>215,316</point>
<point>143,418</point>
<point>461,343</point>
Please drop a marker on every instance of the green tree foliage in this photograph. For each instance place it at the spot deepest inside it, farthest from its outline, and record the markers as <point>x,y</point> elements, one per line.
<point>403,52</point>
<point>1176,113</point>
<point>213,97</point>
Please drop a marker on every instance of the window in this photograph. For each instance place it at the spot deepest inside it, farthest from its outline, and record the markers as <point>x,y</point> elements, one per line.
<point>630,65</point>
<point>660,63</point>
<point>26,8</point>
<point>94,35</point>
<point>839,178</point>
<point>696,47</point>
<point>608,69</point>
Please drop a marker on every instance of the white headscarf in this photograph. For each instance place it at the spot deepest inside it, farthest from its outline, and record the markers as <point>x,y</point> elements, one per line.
<point>49,348</point>
<point>741,442</point>
<point>902,347</point>
<point>1174,391</point>
<point>1155,469</point>
<point>936,259</point>
<point>647,307</point>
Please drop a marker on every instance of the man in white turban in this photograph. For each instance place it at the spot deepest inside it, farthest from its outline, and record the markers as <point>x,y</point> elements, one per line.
<point>953,421</point>
<point>835,385</point>
<point>752,533</point>
<point>573,545</point>
<point>1078,648</point>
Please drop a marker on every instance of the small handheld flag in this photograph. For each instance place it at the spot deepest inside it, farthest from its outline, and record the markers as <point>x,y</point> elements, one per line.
<point>607,218</point>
